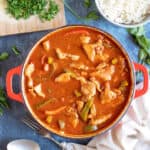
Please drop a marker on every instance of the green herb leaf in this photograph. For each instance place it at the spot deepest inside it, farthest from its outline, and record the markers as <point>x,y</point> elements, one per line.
<point>3,101</point>
<point>4,56</point>
<point>139,31</point>
<point>50,13</point>
<point>148,61</point>
<point>143,42</point>
<point>87,3</point>
<point>15,50</point>
<point>142,54</point>
<point>92,15</point>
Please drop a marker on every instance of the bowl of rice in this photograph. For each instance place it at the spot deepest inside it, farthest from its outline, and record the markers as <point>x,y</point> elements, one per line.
<point>125,13</point>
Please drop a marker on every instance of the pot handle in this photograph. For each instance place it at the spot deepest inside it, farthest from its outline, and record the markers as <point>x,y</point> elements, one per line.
<point>140,92</point>
<point>9,85</point>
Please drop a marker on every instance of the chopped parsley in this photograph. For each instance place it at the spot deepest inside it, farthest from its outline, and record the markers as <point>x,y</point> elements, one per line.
<point>15,50</point>
<point>45,9</point>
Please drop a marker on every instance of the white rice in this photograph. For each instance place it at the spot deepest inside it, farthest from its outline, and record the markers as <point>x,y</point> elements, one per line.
<point>125,11</point>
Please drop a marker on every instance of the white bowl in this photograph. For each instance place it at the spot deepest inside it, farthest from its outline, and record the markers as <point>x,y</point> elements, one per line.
<point>146,20</point>
<point>23,144</point>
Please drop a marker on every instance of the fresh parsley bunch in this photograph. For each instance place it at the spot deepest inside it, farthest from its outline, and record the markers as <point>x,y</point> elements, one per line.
<point>45,9</point>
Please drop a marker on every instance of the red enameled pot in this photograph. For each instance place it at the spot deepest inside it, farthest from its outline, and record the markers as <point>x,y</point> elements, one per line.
<point>134,93</point>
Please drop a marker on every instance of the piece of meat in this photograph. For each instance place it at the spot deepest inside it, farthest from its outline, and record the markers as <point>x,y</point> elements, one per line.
<point>79,66</point>
<point>101,66</point>
<point>62,55</point>
<point>46,67</point>
<point>94,49</point>
<point>46,45</point>
<point>99,47</point>
<point>73,57</point>
<point>97,83</point>
<point>107,95</point>
<point>81,79</point>
<point>72,116</point>
<point>29,70</point>
<point>64,77</point>
<point>88,89</point>
<point>80,105</point>
<point>104,73</point>
<point>30,82</point>
<point>101,56</point>
<point>122,63</point>
<point>74,121</point>
<point>38,90</point>
<point>90,52</point>
<point>101,119</point>
<point>85,39</point>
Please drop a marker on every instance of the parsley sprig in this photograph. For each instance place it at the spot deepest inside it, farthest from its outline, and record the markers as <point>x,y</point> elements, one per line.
<point>92,15</point>
<point>50,13</point>
<point>15,50</point>
<point>87,3</point>
<point>143,42</point>
<point>3,101</point>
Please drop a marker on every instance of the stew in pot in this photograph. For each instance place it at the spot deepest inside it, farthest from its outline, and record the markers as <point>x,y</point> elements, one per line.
<point>77,80</point>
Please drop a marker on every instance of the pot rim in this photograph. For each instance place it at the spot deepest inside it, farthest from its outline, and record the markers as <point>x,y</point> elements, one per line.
<point>116,120</point>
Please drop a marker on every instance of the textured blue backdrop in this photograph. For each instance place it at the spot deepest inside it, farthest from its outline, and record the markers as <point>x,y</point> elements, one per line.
<point>10,126</point>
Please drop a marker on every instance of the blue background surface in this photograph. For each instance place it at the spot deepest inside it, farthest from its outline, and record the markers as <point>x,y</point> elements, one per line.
<point>11,127</point>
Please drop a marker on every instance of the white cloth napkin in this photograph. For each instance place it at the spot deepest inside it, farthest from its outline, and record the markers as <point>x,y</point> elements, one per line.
<point>132,133</point>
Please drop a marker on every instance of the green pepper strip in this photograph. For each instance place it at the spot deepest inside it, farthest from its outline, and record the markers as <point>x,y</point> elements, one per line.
<point>43,103</point>
<point>90,128</point>
<point>86,109</point>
